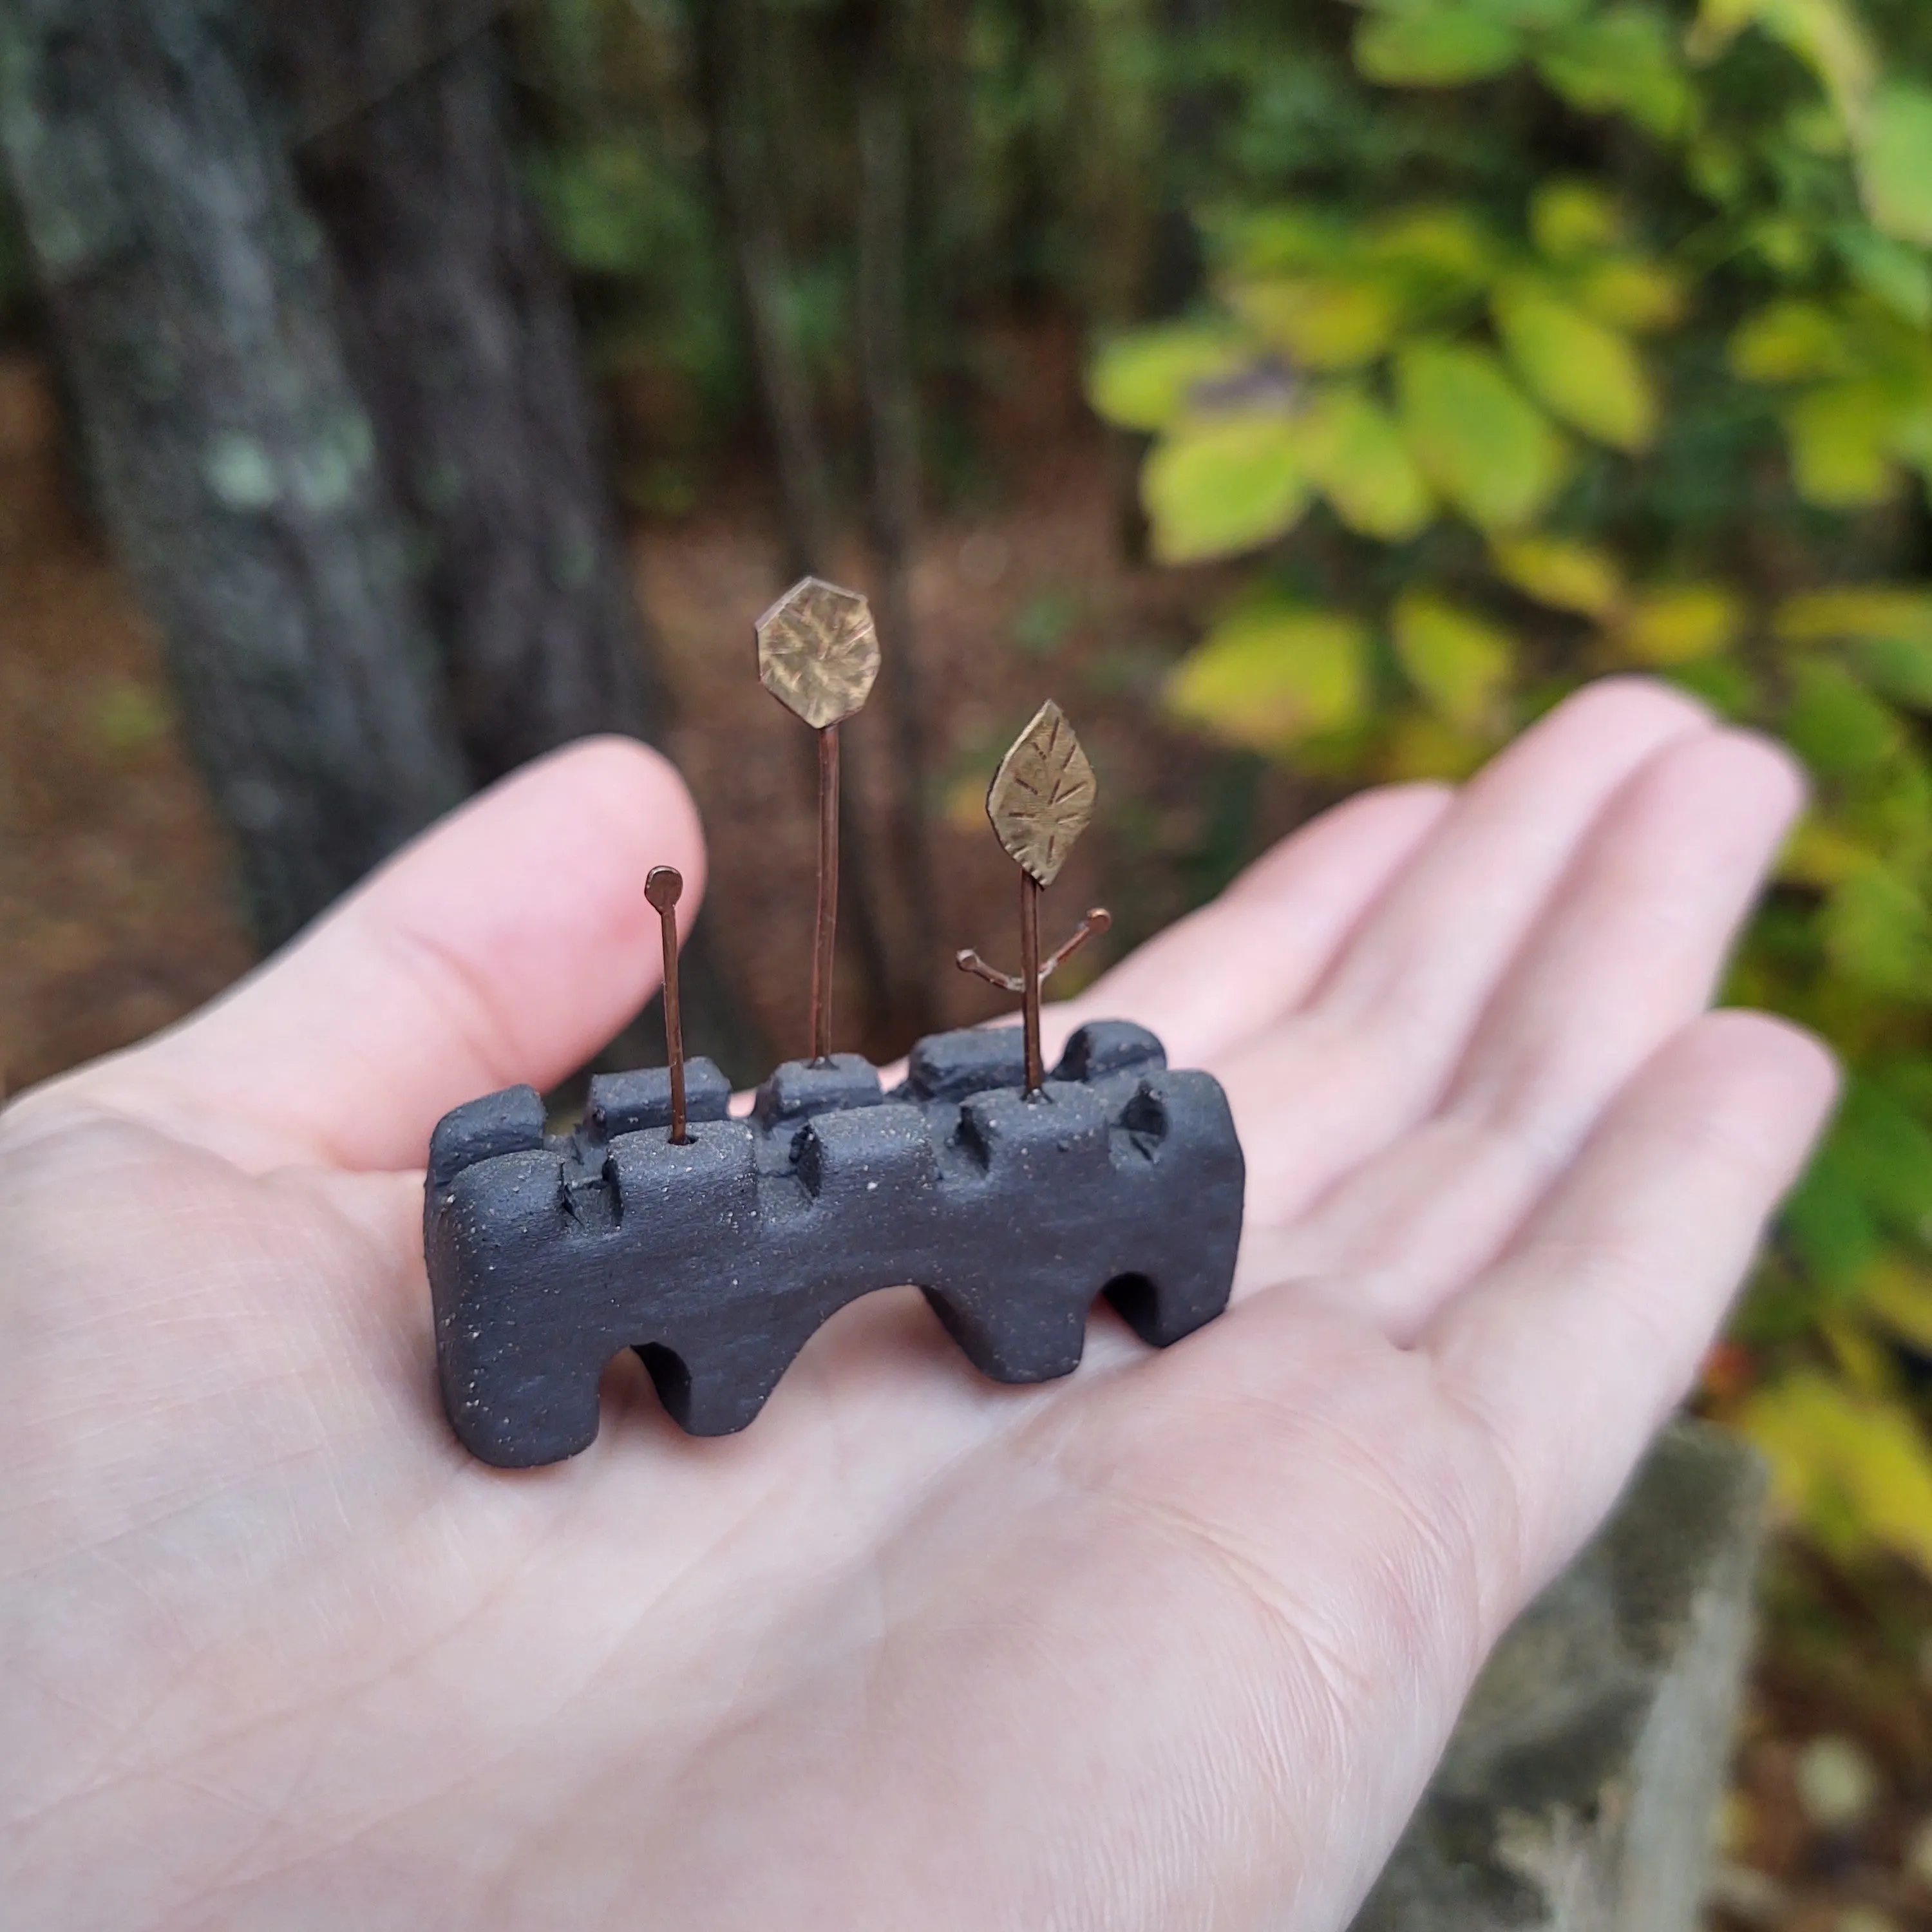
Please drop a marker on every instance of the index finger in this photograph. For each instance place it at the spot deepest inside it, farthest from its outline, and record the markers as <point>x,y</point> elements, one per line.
<point>506,944</point>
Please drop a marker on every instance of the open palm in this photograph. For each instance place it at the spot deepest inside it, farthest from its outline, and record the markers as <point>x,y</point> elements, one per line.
<point>1174,1642</point>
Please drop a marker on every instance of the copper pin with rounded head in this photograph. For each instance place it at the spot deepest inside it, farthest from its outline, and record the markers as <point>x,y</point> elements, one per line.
<point>664,886</point>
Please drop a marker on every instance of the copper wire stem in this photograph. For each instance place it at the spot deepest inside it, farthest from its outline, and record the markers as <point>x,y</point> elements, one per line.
<point>825,928</point>
<point>1030,978</point>
<point>664,888</point>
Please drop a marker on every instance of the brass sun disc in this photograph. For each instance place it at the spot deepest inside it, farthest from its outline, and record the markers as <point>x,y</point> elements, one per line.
<point>818,652</point>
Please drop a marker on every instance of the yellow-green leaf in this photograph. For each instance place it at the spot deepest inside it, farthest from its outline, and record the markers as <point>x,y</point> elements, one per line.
<point>1588,375</point>
<point>1852,1467</point>
<point>1624,60</point>
<point>1899,1294</point>
<point>1855,611</point>
<point>1447,247</point>
<point>1563,573</point>
<point>1631,293</point>
<point>1681,623</point>
<point>1421,745</point>
<point>1443,46</point>
<point>1319,322</point>
<point>1790,342</point>
<point>1478,440</point>
<point>1143,381</point>
<point>1271,674</point>
<point>1217,486</point>
<point>1357,456</point>
<point>1887,627</point>
<point>1895,161</point>
<point>1569,219</point>
<point>1821,855</point>
<point>1841,439</point>
<point>1461,663</point>
<point>1877,935</point>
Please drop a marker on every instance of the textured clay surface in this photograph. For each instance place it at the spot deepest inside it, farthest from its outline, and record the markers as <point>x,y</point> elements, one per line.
<point>717,1261</point>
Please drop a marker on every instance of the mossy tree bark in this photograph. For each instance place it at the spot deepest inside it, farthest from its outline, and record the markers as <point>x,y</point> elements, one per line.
<point>326,373</point>
<point>236,464</point>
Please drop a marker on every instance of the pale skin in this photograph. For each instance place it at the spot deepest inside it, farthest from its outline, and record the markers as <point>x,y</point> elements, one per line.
<point>1173,1643</point>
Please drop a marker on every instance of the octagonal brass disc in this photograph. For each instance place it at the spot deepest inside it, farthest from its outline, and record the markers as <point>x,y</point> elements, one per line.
<point>1041,796</point>
<point>818,652</point>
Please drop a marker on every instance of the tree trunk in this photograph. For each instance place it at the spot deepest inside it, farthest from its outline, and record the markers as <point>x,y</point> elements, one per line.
<point>892,418</point>
<point>191,296</point>
<point>731,49</point>
<point>459,326</point>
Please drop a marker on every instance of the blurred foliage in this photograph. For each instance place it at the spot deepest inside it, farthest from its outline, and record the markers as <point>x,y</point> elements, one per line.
<point>1513,341</point>
<point>1540,338</point>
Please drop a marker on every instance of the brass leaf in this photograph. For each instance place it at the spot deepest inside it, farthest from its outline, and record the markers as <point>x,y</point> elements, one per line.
<point>818,652</point>
<point>1041,796</point>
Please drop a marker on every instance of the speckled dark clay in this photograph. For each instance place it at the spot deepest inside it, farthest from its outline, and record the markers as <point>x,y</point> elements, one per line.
<point>718,1260</point>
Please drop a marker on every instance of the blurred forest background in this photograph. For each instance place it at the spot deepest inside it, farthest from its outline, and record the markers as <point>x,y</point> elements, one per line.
<point>1305,396</point>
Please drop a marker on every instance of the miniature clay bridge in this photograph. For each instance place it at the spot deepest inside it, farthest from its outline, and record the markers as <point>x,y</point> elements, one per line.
<point>718,1260</point>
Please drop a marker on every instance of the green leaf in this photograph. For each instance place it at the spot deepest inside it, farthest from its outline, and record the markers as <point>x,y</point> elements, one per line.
<point>1826,1224</point>
<point>1143,381</point>
<point>1682,623</point>
<point>1357,456</point>
<point>1563,573</point>
<point>1484,445</point>
<point>1890,1153</point>
<point>1791,341</point>
<point>1220,485</point>
<point>1841,438</point>
<point>1444,46</point>
<point>1271,674</point>
<point>1895,161</point>
<point>1589,376</point>
<point>1633,294</point>
<point>1624,61</point>
<point>1528,13</point>
<point>1892,271</point>
<point>1570,219</point>
<point>1837,726</point>
<point>1320,322</point>
<point>1461,663</point>
<point>1827,35</point>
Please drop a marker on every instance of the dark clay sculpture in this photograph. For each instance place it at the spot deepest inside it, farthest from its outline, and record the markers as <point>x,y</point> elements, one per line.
<point>718,1260</point>
<point>715,1247</point>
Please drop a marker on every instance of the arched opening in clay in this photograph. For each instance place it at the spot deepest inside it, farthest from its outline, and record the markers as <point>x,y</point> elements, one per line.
<point>669,1375</point>
<point>1132,1297</point>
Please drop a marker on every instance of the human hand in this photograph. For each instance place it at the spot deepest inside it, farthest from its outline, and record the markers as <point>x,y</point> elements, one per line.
<point>1173,1642</point>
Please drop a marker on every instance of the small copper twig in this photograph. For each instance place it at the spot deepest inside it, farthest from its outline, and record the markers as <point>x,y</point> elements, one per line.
<point>1097,920</point>
<point>825,928</point>
<point>664,886</point>
<point>967,961</point>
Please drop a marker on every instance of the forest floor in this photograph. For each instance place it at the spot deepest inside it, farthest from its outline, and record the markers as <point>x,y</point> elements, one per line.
<point>118,918</point>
